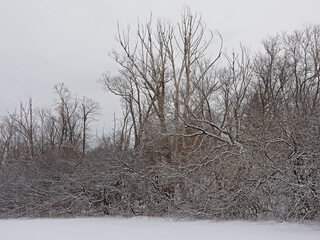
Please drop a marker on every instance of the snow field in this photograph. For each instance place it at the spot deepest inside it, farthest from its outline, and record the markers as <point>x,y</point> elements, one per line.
<point>152,229</point>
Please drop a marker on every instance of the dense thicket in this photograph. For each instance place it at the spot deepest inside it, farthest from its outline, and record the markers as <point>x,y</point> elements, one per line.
<point>204,133</point>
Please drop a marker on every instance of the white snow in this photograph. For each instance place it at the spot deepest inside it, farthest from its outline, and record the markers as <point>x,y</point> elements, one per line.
<point>152,229</point>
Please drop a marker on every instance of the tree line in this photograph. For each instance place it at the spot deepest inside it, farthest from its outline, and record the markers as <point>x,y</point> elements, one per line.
<point>204,133</point>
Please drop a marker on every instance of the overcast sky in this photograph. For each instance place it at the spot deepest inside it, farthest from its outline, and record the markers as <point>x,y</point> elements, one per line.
<point>44,42</point>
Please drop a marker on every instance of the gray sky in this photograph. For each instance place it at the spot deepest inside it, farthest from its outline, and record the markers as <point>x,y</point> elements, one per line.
<point>44,42</point>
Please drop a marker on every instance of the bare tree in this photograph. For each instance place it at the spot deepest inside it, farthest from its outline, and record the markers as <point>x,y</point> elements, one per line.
<point>25,125</point>
<point>6,133</point>
<point>68,119</point>
<point>89,109</point>
<point>164,65</point>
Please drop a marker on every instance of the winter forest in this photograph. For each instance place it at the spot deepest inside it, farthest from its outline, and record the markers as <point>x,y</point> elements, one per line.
<point>205,133</point>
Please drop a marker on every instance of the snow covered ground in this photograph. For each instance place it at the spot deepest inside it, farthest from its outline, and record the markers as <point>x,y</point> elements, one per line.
<point>152,229</point>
